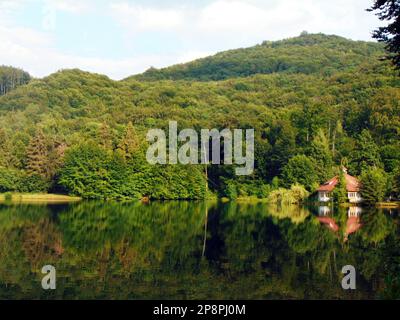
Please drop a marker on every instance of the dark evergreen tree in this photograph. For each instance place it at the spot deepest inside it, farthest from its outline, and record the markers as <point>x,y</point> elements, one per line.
<point>37,156</point>
<point>321,152</point>
<point>129,143</point>
<point>389,10</point>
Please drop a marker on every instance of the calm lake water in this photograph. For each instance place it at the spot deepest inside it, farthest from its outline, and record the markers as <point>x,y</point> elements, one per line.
<point>173,250</point>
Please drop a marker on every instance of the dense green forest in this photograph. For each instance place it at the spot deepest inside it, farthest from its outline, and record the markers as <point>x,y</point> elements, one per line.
<point>307,54</point>
<point>316,102</point>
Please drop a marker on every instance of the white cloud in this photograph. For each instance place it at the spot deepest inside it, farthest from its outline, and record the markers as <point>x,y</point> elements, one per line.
<point>34,52</point>
<point>271,20</point>
<point>71,6</point>
<point>230,16</point>
<point>139,18</point>
<point>225,24</point>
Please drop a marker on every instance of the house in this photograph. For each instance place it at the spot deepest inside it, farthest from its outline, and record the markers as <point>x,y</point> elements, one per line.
<point>352,187</point>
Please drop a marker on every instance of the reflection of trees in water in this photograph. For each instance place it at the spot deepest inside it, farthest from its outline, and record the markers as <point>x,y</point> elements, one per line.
<point>120,250</point>
<point>376,226</point>
<point>41,241</point>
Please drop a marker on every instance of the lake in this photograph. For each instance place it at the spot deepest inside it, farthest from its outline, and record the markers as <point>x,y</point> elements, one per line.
<point>176,250</point>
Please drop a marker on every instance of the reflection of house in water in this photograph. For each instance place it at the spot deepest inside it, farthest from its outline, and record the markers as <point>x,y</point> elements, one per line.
<point>353,223</point>
<point>324,211</point>
<point>324,217</point>
<point>352,187</point>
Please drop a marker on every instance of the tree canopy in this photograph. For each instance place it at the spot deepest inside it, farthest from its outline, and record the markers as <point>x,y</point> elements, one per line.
<point>307,122</point>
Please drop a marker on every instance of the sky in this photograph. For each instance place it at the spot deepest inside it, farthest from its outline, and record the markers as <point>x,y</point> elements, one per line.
<point>120,38</point>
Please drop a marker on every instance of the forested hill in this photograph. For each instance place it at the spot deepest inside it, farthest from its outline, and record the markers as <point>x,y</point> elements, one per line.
<point>85,134</point>
<point>307,54</point>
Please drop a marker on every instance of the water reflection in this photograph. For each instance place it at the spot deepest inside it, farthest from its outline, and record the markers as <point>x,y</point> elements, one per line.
<point>327,217</point>
<point>167,251</point>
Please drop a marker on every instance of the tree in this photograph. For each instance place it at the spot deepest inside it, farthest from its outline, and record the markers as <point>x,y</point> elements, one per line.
<point>320,151</point>
<point>366,153</point>
<point>300,170</point>
<point>340,191</point>
<point>129,143</point>
<point>105,137</point>
<point>282,137</point>
<point>86,172</point>
<point>37,156</point>
<point>10,78</point>
<point>389,10</point>
<point>373,185</point>
<point>396,183</point>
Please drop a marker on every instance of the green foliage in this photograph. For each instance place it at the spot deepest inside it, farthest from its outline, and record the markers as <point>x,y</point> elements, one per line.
<point>87,172</point>
<point>366,153</point>
<point>391,157</point>
<point>33,183</point>
<point>396,183</point>
<point>11,78</point>
<point>389,10</point>
<point>9,180</point>
<point>321,152</point>
<point>376,226</point>
<point>92,172</point>
<point>300,169</point>
<point>312,95</point>
<point>340,191</point>
<point>129,143</point>
<point>295,195</point>
<point>8,196</point>
<point>373,185</point>
<point>309,53</point>
<point>37,155</point>
<point>231,190</point>
<point>19,181</point>
<point>305,237</point>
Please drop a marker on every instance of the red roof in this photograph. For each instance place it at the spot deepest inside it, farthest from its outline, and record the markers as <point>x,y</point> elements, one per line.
<point>329,222</point>
<point>353,224</point>
<point>352,184</point>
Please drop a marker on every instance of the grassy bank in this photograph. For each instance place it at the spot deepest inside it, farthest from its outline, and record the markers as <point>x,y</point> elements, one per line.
<point>388,205</point>
<point>37,198</point>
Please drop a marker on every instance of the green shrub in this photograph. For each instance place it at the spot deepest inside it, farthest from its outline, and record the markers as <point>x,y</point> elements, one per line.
<point>295,195</point>
<point>33,183</point>
<point>8,196</point>
<point>9,180</point>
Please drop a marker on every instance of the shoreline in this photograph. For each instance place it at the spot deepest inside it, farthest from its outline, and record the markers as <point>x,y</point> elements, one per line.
<point>37,198</point>
<point>60,198</point>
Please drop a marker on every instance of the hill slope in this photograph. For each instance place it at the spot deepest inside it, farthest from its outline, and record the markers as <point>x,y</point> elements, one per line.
<point>308,54</point>
<point>79,124</point>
